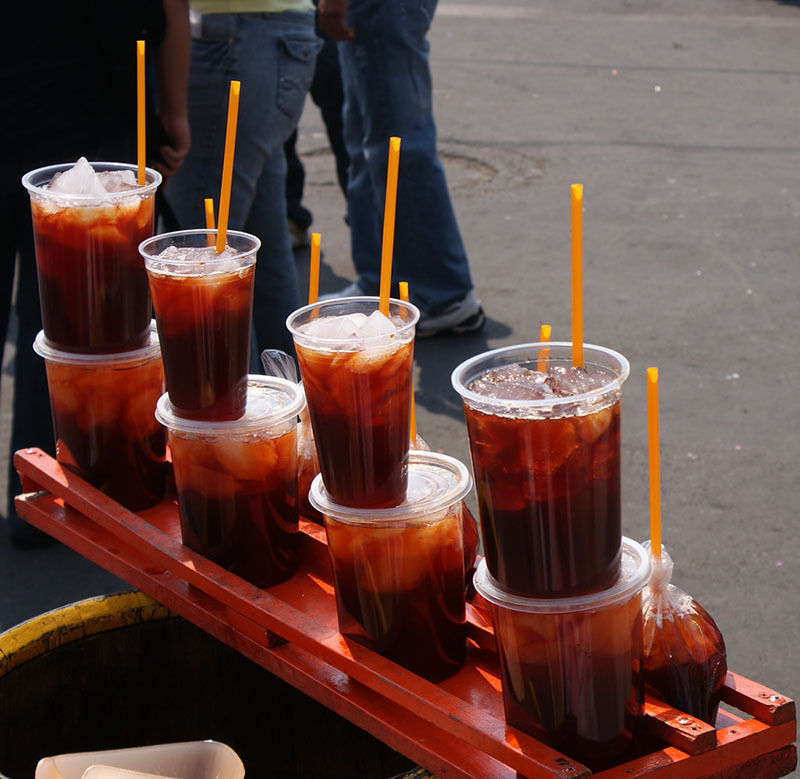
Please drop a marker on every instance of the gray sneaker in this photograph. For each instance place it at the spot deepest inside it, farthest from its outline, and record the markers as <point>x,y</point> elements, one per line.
<point>350,291</point>
<point>463,317</point>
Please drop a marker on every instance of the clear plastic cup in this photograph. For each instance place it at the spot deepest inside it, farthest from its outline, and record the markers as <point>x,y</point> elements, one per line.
<point>570,665</point>
<point>547,467</point>
<point>203,303</point>
<point>103,419</point>
<point>92,282</point>
<point>237,481</point>
<point>399,572</point>
<point>359,398</point>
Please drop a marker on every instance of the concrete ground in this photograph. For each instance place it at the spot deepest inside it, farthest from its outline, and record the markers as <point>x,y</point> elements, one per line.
<point>681,121</point>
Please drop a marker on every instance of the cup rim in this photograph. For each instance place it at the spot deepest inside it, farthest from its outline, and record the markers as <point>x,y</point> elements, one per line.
<point>393,515</point>
<point>255,422</point>
<point>370,339</point>
<point>79,199</point>
<point>240,253</point>
<point>635,559</point>
<point>50,352</point>
<point>473,398</point>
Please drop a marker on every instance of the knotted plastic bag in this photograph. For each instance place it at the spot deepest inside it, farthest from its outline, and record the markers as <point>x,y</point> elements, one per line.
<point>685,661</point>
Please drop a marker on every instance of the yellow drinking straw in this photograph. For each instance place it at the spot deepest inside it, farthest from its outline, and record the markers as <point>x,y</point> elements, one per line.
<point>576,191</point>
<point>544,337</point>
<point>313,271</point>
<point>141,140</point>
<point>208,205</point>
<point>227,165</point>
<point>655,476</point>
<point>388,224</point>
<point>404,297</point>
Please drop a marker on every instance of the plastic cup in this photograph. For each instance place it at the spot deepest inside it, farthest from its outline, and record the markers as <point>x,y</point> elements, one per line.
<point>237,482</point>
<point>203,304</point>
<point>92,283</point>
<point>359,400</point>
<point>103,420</point>
<point>568,664</point>
<point>399,572</point>
<point>547,471</point>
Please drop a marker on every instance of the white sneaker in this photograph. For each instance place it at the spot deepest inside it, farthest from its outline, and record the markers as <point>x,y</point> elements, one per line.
<point>463,317</point>
<point>350,291</point>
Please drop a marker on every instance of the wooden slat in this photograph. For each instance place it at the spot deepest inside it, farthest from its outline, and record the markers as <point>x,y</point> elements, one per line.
<point>455,728</point>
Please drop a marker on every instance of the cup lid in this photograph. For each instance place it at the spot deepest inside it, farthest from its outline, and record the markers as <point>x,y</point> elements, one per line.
<point>271,401</point>
<point>634,574</point>
<point>46,349</point>
<point>435,482</point>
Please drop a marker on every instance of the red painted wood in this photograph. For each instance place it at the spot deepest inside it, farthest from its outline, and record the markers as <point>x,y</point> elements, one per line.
<point>455,728</point>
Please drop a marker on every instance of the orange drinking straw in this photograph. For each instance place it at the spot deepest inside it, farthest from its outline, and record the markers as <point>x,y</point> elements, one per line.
<point>576,191</point>
<point>388,224</point>
<point>227,165</point>
<point>544,337</point>
<point>404,296</point>
<point>141,146</point>
<point>208,204</point>
<point>313,271</point>
<point>655,477</point>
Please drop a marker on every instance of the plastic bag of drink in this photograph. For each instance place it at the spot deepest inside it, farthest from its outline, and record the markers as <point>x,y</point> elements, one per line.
<point>684,652</point>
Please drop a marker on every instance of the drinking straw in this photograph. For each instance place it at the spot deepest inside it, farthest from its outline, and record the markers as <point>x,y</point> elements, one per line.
<point>655,478</point>
<point>140,129</point>
<point>227,165</point>
<point>208,204</point>
<point>544,337</point>
<point>388,224</point>
<point>404,297</point>
<point>576,191</point>
<point>313,271</point>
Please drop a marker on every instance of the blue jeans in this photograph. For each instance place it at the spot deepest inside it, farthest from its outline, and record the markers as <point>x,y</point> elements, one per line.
<point>387,89</point>
<point>273,56</point>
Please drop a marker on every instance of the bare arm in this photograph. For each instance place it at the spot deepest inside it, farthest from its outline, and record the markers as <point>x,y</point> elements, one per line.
<point>172,72</point>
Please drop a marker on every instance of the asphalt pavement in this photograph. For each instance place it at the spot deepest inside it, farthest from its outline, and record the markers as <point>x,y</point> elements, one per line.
<point>680,119</point>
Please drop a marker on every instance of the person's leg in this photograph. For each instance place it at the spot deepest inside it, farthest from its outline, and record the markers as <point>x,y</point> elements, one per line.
<point>273,56</point>
<point>387,74</point>
<point>328,95</point>
<point>299,216</point>
<point>32,423</point>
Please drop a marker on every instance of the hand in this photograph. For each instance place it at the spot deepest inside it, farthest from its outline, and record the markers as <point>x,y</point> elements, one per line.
<point>172,155</point>
<point>331,17</point>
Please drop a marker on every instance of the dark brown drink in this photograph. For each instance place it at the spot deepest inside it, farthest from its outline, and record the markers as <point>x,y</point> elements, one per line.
<point>358,388</point>
<point>237,482</point>
<point>103,416</point>
<point>546,456</point>
<point>92,282</point>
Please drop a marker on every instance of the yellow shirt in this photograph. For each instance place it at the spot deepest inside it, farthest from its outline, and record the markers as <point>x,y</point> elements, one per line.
<point>250,6</point>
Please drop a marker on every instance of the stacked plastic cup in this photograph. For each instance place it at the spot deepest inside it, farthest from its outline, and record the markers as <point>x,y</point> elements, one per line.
<point>101,352</point>
<point>393,519</point>
<point>562,583</point>
<point>232,436</point>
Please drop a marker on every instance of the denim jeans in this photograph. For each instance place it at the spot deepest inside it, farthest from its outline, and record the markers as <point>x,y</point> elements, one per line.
<point>387,88</point>
<point>273,57</point>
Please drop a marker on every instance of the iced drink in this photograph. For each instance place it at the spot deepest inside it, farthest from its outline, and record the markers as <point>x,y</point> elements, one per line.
<point>567,664</point>
<point>356,367</point>
<point>545,453</point>
<point>103,417</point>
<point>399,572</point>
<point>237,482</point>
<point>203,303</point>
<point>88,221</point>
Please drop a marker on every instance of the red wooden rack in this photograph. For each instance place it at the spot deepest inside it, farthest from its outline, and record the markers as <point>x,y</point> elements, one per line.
<point>455,728</point>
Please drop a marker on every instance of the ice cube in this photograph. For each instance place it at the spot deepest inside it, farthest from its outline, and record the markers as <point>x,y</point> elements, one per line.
<point>337,328</point>
<point>377,324</point>
<point>512,382</point>
<point>118,180</point>
<point>569,380</point>
<point>80,179</point>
